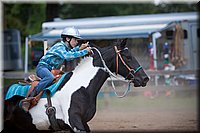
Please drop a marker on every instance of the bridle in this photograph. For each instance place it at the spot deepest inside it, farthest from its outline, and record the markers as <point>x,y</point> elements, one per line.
<point>106,69</point>
<point>132,72</point>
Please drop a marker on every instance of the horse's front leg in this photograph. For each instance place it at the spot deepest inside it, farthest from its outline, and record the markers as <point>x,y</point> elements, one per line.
<point>63,131</point>
<point>77,110</point>
<point>87,128</point>
<point>76,123</point>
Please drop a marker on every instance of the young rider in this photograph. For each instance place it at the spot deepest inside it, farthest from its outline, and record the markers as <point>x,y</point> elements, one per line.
<point>66,49</point>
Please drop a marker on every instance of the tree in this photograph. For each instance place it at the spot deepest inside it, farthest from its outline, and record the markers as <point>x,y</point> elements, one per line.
<point>98,10</point>
<point>52,11</point>
<point>25,17</point>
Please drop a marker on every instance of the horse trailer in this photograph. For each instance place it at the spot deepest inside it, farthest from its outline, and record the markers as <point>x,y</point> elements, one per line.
<point>12,50</point>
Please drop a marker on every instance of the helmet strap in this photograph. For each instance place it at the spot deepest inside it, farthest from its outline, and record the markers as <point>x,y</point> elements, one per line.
<point>69,42</point>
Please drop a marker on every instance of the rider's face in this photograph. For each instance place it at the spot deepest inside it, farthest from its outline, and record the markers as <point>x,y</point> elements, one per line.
<point>74,42</point>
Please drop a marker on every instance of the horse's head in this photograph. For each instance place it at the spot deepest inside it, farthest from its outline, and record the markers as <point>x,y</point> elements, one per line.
<point>127,65</point>
<point>119,59</point>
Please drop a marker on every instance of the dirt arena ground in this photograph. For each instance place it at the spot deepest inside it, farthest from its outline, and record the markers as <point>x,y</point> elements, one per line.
<point>175,113</point>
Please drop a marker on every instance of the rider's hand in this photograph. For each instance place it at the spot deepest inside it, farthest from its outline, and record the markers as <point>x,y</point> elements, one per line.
<point>84,45</point>
<point>89,50</point>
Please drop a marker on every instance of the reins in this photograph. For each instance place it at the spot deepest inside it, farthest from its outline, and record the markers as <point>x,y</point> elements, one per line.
<point>124,63</point>
<point>113,75</point>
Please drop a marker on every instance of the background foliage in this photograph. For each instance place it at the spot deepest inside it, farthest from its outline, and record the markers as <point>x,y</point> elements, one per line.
<point>28,18</point>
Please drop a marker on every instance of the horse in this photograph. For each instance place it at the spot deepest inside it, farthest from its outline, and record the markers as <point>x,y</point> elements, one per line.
<point>75,103</point>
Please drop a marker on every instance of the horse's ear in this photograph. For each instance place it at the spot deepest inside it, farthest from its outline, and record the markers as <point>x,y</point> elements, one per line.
<point>123,43</point>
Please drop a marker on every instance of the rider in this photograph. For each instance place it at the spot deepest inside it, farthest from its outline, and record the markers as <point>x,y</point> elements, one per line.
<point>66,49</point>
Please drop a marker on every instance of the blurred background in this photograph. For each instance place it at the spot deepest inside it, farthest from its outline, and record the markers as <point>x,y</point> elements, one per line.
<point>162,35</point>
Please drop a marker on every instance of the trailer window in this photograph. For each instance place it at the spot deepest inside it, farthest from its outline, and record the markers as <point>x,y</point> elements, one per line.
<point>170,33</point>
<point>185,34</point>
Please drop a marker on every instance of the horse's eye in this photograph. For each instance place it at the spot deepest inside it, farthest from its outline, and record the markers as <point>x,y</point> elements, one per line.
<point>128,57</point>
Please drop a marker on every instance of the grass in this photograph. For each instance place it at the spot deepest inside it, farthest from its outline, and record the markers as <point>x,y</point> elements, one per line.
<point>141,103</point>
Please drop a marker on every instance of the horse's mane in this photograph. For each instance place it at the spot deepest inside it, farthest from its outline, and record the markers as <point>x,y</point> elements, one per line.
<point>114,43</point>
<point>103,49</point>
<point>107,51</point>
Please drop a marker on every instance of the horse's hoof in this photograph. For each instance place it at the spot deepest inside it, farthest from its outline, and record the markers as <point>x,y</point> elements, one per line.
<point>63,131</point>
<point>78,131</point>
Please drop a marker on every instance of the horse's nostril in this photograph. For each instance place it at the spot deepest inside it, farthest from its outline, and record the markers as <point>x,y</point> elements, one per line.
<point>136,82</point>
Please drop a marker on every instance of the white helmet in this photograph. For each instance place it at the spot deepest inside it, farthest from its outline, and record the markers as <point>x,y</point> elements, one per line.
<point>71,31</point>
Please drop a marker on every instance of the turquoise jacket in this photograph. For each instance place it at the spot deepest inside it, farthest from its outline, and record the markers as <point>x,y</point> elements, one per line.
<point>59,52</point>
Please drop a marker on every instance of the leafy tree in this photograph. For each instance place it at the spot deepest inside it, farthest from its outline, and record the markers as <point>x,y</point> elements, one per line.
<point>166,8</point>
<point>99,10</point>
<point>52,11</point>
<point>27,18</point>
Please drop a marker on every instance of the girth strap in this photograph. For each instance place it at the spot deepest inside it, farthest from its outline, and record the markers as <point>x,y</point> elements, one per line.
<point>51,111</point>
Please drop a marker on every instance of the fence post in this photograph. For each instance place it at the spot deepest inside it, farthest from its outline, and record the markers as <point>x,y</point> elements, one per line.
<point>26,56</point>
<point>154,37</point>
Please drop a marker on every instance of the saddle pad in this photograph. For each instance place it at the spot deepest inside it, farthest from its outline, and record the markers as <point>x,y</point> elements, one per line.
<point>21,90</point>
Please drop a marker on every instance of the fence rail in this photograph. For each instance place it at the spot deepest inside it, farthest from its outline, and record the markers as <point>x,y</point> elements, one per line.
<point>175,72</point>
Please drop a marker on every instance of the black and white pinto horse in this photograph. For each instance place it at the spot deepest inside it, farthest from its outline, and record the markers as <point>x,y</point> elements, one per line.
<point>75,103</point>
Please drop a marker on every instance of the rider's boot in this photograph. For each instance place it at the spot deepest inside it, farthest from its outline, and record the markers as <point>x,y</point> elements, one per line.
<point>25,103</point>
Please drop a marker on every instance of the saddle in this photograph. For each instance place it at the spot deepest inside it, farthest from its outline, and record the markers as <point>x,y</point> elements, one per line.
<point>33,80</point>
